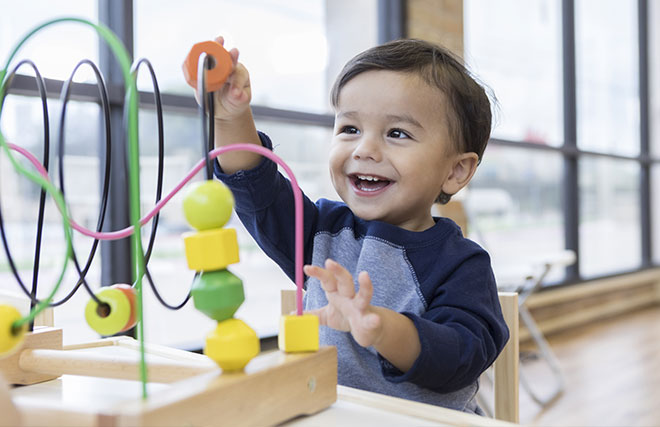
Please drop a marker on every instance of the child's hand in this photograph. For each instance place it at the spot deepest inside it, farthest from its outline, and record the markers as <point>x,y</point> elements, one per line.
<point>234,97</point>
<point>346,310</point>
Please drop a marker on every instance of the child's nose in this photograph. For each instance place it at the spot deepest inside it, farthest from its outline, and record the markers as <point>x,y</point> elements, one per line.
<point>368,148</point>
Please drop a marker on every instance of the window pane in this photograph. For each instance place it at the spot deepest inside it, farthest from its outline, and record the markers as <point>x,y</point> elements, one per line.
<point>22,124</point>
<point>607,76</point>
<point>55,49</point>
<point>655,209</point>
<point>288,47</point>
<point>528,88</point>
<point>654,77</point>
<point>514,201</point>
<point>609,216</point>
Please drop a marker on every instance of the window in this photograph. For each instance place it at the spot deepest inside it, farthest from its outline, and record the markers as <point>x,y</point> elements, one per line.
<point>607,70</point>
<point>293,52</point>
<point>57,49</point>
<point>292,58</point>
<point>609,216</point>
<point>514,47</point>
<point>655,224</point>
<point>583,55</point>
<point>287,47</point>
<point>514,201</point>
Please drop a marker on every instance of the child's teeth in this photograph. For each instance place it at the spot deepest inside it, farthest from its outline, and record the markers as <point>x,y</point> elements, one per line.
<point>367,178</point>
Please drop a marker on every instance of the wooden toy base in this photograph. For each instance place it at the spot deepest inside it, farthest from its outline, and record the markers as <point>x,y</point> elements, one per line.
<point>42,338</point>
<point>273,388</point>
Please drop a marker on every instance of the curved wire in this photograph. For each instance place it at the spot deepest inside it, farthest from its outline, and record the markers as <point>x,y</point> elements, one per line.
<point>297,198</point>
<point>41,86</point>
<point>105,107</point>
<point>159,184</point>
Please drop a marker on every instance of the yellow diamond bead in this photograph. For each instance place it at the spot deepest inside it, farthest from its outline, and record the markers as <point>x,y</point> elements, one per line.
<point>211,250</point>
<point>298,333</point>
<point>10,340</point>
<point>232,344</point>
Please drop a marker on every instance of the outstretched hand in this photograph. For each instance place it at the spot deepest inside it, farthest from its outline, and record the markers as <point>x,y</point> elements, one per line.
<point>347,310</point>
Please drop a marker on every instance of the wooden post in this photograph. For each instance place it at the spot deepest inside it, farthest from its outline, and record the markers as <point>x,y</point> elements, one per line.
<point>506,365</point>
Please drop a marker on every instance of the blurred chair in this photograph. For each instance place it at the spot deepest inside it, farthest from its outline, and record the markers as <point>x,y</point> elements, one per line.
<point>524,276</point>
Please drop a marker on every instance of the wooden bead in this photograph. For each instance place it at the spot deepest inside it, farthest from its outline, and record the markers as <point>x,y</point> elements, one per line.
<point>298,333</point>
<point>208,205</point>
<point>10,339</point>
<point>131,294</point>
<point>232,344</point>
<point>211,249</point>
<point>216,76</point>
<point>118,315</point>
<point>218,294</point>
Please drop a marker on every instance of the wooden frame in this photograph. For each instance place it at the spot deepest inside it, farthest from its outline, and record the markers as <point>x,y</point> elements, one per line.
<point>273,388</point>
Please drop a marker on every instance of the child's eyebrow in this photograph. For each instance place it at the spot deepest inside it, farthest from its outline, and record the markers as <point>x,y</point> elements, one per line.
<point>347,114</point>
<point>404,118</point>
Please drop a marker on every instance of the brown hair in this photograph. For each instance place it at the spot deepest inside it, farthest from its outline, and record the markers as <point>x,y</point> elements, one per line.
<point>469,106</point>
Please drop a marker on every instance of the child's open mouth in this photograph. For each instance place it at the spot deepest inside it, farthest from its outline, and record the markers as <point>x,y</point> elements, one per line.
<point>369,183</point>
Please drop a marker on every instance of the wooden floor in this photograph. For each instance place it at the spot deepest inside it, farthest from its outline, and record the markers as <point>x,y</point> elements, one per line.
<point>612,375</point>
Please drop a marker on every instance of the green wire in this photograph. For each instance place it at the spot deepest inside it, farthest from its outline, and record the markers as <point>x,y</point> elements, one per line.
<point>137,259</point>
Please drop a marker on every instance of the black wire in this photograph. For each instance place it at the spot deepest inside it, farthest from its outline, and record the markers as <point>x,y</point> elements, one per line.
<point>205,62</point>
<point>64,97</point>
<point>41,86</point>
<point>105,107</point>
<point>160,298</point>
<point>159,184</point>
<point>161,149</point>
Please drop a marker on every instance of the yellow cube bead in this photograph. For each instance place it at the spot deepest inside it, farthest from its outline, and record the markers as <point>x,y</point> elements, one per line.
<point>298,333</point>
<point>211,250</point>
<point>232,344</point>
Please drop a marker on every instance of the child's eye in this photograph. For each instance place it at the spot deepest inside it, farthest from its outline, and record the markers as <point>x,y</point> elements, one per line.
<point>398,134</point>
<point>352,130</point>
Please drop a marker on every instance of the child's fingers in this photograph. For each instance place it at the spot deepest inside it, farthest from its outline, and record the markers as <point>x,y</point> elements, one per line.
<point>344,279</point>
<point>366,291</point>
<point>327,279</point>
<point>321,313</point>
<point>234,55</point>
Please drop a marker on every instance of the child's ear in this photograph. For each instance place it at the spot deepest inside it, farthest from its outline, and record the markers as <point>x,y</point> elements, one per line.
<point>464,167</point>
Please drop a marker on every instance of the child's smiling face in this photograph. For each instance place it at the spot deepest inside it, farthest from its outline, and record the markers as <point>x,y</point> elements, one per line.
<point>391,152</point>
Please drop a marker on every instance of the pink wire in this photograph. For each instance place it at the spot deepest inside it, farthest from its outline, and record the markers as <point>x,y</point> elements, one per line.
<point>120,234</point>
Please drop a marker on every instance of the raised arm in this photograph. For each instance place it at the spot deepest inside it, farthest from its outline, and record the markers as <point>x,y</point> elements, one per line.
<point>233,117</point>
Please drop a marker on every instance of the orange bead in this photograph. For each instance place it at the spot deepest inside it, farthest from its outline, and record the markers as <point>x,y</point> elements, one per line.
<point>216,76</point>
<point>131,294</point>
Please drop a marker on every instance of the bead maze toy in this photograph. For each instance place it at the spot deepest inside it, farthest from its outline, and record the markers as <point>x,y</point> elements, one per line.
<point>233,380</point>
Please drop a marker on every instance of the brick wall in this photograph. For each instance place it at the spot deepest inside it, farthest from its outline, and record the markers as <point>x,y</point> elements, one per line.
<point>438,21</point>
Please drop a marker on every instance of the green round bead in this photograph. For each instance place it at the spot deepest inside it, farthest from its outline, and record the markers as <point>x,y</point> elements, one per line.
<point>208,205</point>
<point>218,294</point>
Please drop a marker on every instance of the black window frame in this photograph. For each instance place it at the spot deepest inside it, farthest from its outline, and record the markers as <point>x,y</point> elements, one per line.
<point>118,16</point>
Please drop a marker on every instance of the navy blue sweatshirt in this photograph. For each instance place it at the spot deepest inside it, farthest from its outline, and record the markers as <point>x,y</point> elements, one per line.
<point>440,280</point>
